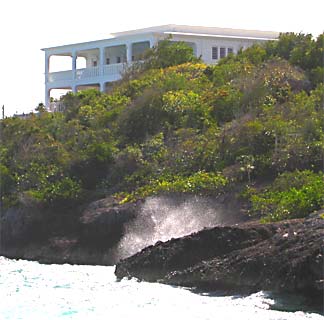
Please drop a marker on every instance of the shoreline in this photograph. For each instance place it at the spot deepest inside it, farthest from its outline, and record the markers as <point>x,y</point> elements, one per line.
<point>283,257</point>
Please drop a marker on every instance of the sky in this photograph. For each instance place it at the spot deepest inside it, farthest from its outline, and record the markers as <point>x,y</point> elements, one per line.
<point>27,26</point>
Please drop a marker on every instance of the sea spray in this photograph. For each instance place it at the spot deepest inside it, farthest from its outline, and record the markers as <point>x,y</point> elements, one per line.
<point>165,217</point>
<point>29,290</point>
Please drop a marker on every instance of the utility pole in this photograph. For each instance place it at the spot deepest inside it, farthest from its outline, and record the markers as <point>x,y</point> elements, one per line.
<point>3,111</point>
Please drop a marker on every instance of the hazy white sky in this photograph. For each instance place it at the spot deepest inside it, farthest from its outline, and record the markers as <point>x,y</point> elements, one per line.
<point>28,26</point>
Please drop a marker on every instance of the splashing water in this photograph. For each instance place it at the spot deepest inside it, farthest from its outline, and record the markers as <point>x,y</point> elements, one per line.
<point>32,291</point>
<point>162,218</point>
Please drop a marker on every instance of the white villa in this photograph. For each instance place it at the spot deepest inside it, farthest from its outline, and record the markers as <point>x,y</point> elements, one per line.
<point>105,60</point>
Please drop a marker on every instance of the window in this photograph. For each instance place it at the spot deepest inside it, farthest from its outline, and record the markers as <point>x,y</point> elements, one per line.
<point>118,60</point>
<point>139,49</point>
<point>215,53</point>
<point>107,61</point>
<point>222,52</point>
<point>230,50</point>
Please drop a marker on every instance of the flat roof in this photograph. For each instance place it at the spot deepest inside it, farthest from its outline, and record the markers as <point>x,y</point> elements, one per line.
<point>199,30</point>
<point>185,30</point>
<point>217,36</point>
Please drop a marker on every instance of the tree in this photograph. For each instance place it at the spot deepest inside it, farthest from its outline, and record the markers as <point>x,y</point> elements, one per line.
<point>169,53</point>
<point>41,107</point>
<point>165,54</point>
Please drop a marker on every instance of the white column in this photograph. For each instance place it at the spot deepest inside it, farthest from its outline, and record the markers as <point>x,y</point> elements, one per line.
<point>47,97</point>
<point>101,61</point>
<point>152,43</point>
<point>129,52</point>
<point>74,59</point>
<point>102,86</point>
<point>74,88</point>
<point>47,66</point>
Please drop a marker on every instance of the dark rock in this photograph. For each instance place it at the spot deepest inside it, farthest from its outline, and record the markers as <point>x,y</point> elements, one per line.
<point>298,85</point>
<point>102,222</point>
<point>284,256</point>
<point>19,224</point>
<point>65,236</point>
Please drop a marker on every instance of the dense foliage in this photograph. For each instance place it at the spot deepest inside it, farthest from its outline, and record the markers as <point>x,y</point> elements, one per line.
<point>292,195</point>
<point>174,124</point>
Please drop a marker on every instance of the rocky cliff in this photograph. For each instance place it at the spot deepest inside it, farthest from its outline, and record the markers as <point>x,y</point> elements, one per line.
<point>78,235</point>
<point>285,256</point>
<point>105,231</point>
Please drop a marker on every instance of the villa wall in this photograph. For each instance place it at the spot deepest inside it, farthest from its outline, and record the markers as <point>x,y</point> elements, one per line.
<point>106,59</point>
<point>204,45</point>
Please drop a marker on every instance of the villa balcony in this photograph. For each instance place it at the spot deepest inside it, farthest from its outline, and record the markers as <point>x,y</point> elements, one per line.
<point>108,72</point>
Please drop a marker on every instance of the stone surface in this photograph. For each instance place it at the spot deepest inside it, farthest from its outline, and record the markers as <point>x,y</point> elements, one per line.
<point>285,256</point>
<point>102,221</point>
<point>17,225</point>
<point>77,236</point>
<point>91,234</point>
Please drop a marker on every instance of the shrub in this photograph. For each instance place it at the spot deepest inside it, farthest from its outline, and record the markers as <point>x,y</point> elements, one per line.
<point>292,195</point>
<point>168,53</point>
<point>65,191</point>
<point>199,182</point>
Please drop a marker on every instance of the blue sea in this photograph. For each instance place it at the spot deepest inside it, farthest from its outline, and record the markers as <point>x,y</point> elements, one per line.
<point>29,290</point>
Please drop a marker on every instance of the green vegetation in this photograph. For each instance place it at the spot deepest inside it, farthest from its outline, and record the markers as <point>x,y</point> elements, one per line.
<point>292,195</point>
<point>174,124</point>
<point>207,183</point>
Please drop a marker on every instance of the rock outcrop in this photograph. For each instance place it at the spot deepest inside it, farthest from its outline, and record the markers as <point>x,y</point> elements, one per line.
<point>105,230</point>
<point>76,235</point>
<point>284,256</point>
<point>102,222</point>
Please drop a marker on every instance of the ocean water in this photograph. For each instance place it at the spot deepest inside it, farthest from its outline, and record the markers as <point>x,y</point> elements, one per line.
<point>29,290</point>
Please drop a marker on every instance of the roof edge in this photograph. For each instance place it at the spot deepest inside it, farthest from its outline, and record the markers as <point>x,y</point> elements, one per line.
<point>184,29</point>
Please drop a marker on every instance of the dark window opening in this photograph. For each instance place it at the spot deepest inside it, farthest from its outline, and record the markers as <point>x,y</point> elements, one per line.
<point>215,53</point>
<point>222,52</point>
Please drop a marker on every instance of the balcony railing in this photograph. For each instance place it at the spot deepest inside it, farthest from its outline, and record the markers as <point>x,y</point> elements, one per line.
<point>56,106</point>
<point>110,71</point>
<point>87,73</point>
<point>60,76</point>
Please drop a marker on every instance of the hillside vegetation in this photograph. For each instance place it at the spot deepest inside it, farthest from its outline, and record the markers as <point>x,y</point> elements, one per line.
<point>252,125</point>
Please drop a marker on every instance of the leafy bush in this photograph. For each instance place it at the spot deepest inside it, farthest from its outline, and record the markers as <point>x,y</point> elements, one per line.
<point>300,50</point>
<point>199,182</point>
<point>292,195</point>
<point>168,53</point>
<point>185,109</point>
<point>6,180</point>
<point>142,119</point>
<point>64,191</point>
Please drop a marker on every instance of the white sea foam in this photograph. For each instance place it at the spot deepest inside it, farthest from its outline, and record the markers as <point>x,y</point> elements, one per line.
<point>162,218</point>
<point>29,290</point>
